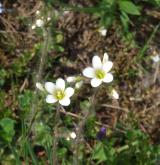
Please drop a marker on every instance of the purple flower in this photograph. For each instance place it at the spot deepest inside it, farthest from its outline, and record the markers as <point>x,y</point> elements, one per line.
<point>101,134</point>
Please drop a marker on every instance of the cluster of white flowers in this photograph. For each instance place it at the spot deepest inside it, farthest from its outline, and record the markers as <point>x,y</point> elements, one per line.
<point>99,72</point>
<point>39,21</point>
<point>72,135</point>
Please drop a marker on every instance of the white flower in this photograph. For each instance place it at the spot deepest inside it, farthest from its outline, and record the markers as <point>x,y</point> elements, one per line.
<point>68,138</point>
<point>115,94</point>
<point>99,72</point>
<point>39,86</point>
<point>102,31</point>
<point>58,92</point>
<point>79,84</point>
<point>37,12</point>
<point>49,18</point>
<point>66,12</point>
<point>105,58</point>
<point>39,22</point>
<point>155,58</point>
<point>73,135</point>
<point>33,27</point>
<point>71,79</point>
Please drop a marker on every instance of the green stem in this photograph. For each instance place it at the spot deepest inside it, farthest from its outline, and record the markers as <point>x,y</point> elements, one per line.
<point>79,133</point>
<point>34,109</point>
<point>55,140</point>
<point>145,47</point>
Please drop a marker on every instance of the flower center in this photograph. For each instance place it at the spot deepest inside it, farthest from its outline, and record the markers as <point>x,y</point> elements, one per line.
<point>100,74</point>
<point>59,94</point>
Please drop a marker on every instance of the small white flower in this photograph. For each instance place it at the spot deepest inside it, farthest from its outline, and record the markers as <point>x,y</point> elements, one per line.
<point>79,84</point>
<point>115,94</point>
<point>71,79</point>
<point>66,12</point>
<point>39,22</point>
<point>37,12</point>
<point>40,86</point>
<point>49,18</point>
<point>68,138</point>
<point>73,135</point>
<point>99,72</point>
<point>105,58</point>
<point>102,31</point>
<point>58,92</point>
<point>33,27</point>
<point>155,58</point>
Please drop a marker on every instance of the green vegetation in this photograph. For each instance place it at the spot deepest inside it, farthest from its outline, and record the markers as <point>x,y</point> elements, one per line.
<point>41,41</point>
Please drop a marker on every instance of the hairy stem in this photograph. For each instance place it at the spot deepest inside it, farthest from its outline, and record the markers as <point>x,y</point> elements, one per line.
<point>34,109</point>
<point>55,140</point>
<point>79,138</point>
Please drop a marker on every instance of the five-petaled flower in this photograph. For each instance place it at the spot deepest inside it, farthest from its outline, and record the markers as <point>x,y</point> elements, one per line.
<point>58,92</point>
<point>99,72</point>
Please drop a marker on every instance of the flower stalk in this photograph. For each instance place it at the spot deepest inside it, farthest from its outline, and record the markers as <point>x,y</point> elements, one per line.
<point>81,125</point>
<point>55,139</point>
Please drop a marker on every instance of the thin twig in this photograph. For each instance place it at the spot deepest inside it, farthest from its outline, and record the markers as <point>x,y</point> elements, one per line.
<point>80,117</point>
<point>115,107</point>
<point>153,106</point>
<point>156,73</point>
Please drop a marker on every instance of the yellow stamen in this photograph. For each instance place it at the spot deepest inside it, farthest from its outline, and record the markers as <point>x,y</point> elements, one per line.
<point>59,94</point>
<point>100,74</point>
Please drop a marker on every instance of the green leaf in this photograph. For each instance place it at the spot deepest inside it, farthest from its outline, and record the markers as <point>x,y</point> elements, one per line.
<point>31,152</point>
<point>59,48</point>
<point>129,7</point>
<point>85,105</point>
<point>59,38</point>
<point>99,153</point>
<point>7,129</point>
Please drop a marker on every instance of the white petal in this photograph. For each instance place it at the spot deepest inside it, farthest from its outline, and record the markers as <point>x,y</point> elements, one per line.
<point>115,94</point>
<point>105,57</point>
<point>96,62</point>
<point>60,84</point>
<point>50,87</point>
<point>102,31</point>
<point>71,79</point>
<point>65,101</point>
<point>79,84</point>
<point>155,58</point>
<point>96,82</point>
<point>69,92</point>
<point>89,72</point>
<point>107,66</point>
<point>39,86</point>
<point>33,27</point>
<point>108,78</point>
<point>50,99</point>
<point>39,22</point>
<point>73,135</point>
